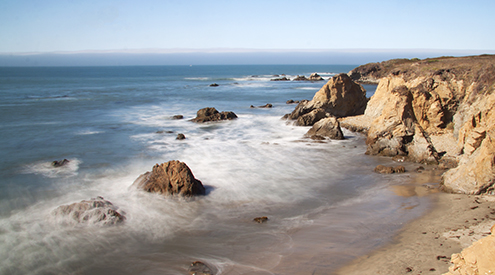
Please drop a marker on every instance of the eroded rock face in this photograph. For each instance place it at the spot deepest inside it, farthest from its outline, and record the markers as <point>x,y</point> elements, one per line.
<point>477,259</point>
<point>433,110</point>
<point>94,211</point>
<point>172,178</point>
<point>340,97</point>
<point>211,114</point>
<point>326,128</point>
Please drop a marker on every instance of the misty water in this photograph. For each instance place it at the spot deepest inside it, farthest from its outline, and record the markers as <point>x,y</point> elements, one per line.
<point>325,205</point>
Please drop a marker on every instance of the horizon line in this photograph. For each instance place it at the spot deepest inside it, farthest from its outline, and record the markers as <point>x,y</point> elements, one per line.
<point>249,50</point>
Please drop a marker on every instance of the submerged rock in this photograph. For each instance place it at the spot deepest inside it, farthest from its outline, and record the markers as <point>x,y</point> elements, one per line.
<point>94,211</point>
<point>60,163</point>
<point>172,178</point>
<point>200,268</point>
<point>211,114</point>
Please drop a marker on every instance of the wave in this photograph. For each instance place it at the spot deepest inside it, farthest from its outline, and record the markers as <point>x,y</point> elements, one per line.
<point>48,170</point>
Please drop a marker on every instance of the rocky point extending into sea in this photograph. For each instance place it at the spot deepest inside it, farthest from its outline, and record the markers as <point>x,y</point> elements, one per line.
<point>437,111</point>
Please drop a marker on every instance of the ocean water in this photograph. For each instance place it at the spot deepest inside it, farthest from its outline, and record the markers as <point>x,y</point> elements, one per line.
<point>324,204</point>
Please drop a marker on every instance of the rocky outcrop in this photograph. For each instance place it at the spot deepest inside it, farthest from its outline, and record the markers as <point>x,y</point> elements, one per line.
<point>436,111</point>
<point>300,78</point>
<point>211,114</point>
<point>477,259</point>
<point>340,97</point>
<point>172,178</point>
<point>315,77</point>
<point>284,78</point>
<point>326,128</point>
<point>95,211</point>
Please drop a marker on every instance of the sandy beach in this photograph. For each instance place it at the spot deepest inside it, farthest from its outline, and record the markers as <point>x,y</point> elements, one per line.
<point>425,245</point>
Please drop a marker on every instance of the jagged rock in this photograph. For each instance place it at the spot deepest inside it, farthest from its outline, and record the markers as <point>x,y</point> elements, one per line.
<point>94,211</point>
<point>300,78</point>
<point>60,163</point>
<point>211,114</point>
<point>327,127</point>
<point>477,259</point>
<point>311,118</point>
<point>173,178</point>
<point>381,169</point>
<point>440,109</point>
<point>180,136</point>
<point>315,77</point>
<point>340,97</point>
<point>200,268</point>
<point>280,79</point>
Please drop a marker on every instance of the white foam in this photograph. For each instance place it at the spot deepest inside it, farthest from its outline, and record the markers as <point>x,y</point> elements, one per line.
<point>46,169</point>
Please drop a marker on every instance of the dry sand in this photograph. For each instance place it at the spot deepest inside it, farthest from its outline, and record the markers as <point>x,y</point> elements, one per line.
<point>424,246</point>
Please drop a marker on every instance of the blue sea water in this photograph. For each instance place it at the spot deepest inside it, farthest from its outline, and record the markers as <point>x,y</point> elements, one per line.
<point>115,123</point>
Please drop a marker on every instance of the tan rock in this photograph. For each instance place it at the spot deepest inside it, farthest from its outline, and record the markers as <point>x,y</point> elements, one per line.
<point>327,128</point>
<point>173,178</point>
<point>339,97</point>
<point>478,259</point>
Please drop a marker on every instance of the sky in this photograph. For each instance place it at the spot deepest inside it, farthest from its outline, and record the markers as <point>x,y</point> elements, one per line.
<point>169,26</point>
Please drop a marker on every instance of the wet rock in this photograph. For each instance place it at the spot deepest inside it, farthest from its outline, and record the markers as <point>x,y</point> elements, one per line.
<point>300,78</point>
<point>94,211</point>
<point>200,268</point>
<point>261,219</point>
<point>327,128</point>
<point>268,105</point>
<point>311,118</point>
<point>178,117</point>
<point>381,169</point>
<point>180,136</point>
<point>60,163</point>
<point>280,79</point>
<point>172,178</point>
<point>214,85</point>
<point>315,77</point>
<point>291,101</point>
<point>211,114</point>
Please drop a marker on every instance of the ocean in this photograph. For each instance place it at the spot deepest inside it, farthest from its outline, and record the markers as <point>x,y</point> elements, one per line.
<point>324,204</point>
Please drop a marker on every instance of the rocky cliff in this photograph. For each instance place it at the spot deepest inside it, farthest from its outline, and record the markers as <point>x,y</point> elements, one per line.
<point>439,110</point>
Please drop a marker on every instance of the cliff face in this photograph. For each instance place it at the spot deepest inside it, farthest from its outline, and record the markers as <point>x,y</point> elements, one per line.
<point>434,111</point>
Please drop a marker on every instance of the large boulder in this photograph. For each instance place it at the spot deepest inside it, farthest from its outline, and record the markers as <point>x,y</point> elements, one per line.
<point>211,114</point>
<point>94,211</point>
<point>340,97</point>
<point>172,178</point>
<point>477,259</point>
<point>326,128</point>
<point>311,118</point>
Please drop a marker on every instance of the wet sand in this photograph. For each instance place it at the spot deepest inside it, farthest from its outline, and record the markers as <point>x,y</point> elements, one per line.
<point>425,245</point>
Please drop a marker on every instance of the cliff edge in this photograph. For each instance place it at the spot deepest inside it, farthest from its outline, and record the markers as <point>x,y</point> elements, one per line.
<point>438,110</point>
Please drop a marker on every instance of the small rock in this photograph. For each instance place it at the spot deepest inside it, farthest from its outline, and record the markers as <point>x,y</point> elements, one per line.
<point>261,219</point>
<point>199,268</point>
<point>178,117</point>
<point>180,136</point>
<point>60,163</point>
<point>409,269</point>
<point>214,85</point>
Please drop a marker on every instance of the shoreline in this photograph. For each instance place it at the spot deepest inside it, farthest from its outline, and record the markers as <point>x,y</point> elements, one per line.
<point>425,245</point>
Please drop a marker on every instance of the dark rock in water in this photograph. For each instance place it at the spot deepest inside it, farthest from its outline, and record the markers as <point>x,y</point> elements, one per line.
<point>211,114</point>
<point>214,85</point>
<point>280,79</point>
<point>60,163</point>
<point>173,178</point>
<point>200,268</point>
<point>94,211</point>
<point>327,127</point>
<point>315,77</point>
<point>390,170</point>
<point>181,136</point>
<point>300,78</point>
<point>268,105</point>
<point>261,219</point>
<point>290,101</point>
<point>178,117</point>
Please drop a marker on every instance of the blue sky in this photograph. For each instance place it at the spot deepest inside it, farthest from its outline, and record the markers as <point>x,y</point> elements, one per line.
<point>167,26</point>
<point>69,25</point>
